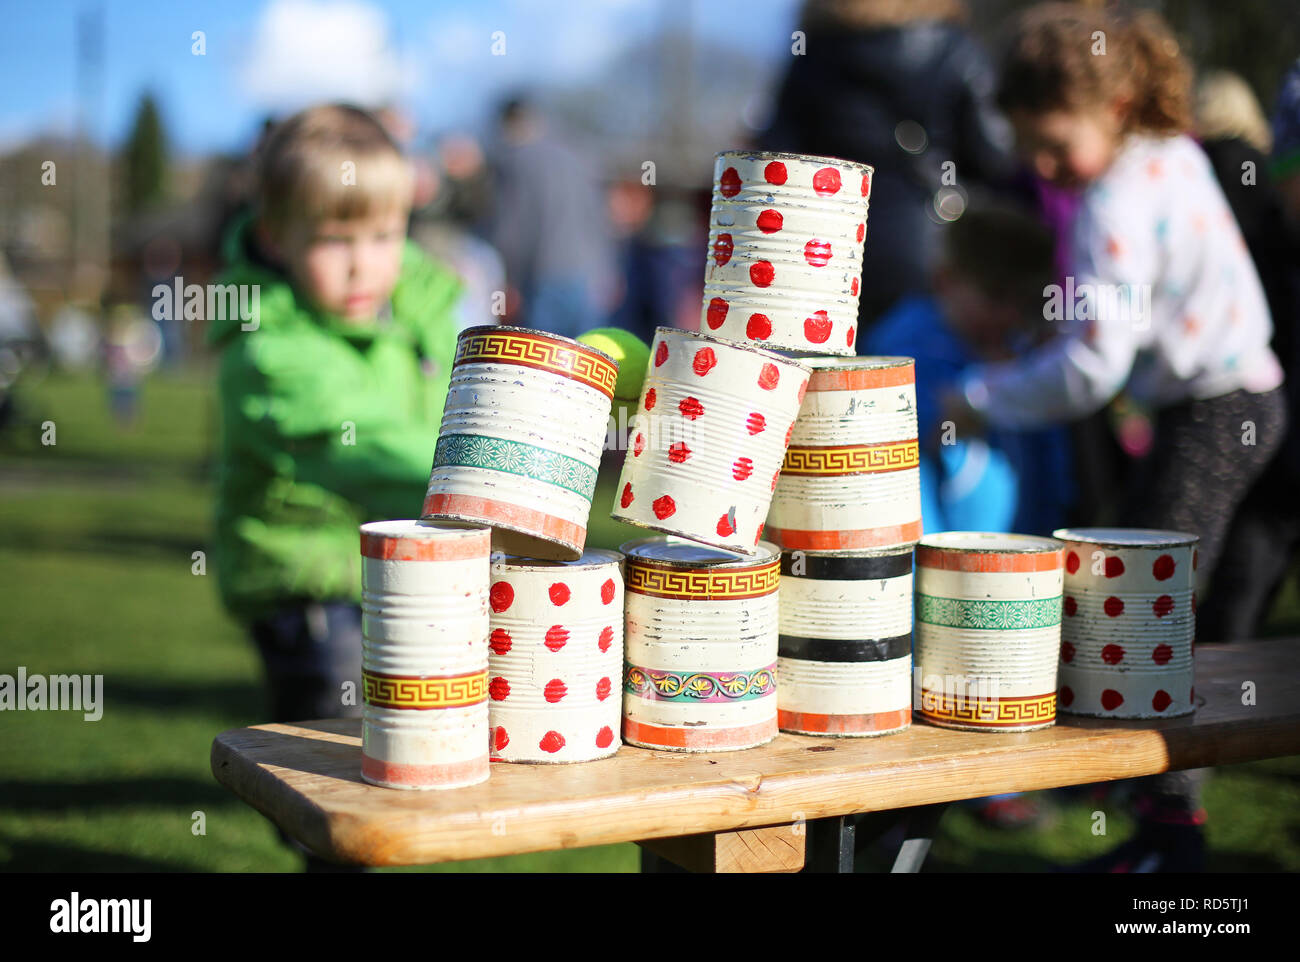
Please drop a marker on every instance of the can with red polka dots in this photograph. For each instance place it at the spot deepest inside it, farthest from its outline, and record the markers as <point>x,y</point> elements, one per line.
<point>851,475</point>
<point>988,629</point>
<point>784,264</point>
<point>707,442</point>
<point>521,437</point>
<point>846,642</point>
<point>556,658</point>
<point>424,654</point>
<point>702,639</point>
<point>1129,623</point>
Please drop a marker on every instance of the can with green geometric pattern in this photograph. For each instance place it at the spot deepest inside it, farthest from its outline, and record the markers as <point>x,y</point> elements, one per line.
<point>988,630</point>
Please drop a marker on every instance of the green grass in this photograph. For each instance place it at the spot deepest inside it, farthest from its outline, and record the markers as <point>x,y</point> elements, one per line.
<point>96,539</point>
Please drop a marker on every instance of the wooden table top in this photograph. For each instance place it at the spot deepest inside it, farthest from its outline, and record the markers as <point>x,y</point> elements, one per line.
<point>306,777</point>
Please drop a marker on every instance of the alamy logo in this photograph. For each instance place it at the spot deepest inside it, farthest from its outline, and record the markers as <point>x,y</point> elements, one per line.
<point>1098,302</point>
<point>212,302</point>
<point>26,692</point>
<point>75,915</point>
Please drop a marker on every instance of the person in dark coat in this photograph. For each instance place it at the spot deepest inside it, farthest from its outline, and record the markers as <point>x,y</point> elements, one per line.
<point>904,87</point>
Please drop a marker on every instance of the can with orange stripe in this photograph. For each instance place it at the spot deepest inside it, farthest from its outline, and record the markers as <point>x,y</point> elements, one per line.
<point>851,478</point>
<point>556,658</point>
<point>424,624</point>
<point>988,630</point>
<point>846,642</point>
<point>702,637</point>
<point>1129,623</point>
<point>521,438</point>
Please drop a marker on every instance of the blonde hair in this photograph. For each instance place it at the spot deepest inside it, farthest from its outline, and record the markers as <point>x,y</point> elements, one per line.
<point>331,162</point>
<point>1054,61</point>
<point>1227,107</point>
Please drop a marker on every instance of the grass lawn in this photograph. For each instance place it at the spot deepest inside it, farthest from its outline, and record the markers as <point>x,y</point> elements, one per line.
<point>97,535</point>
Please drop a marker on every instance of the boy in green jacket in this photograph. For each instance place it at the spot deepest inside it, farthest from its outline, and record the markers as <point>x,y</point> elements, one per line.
<point>331,396</point>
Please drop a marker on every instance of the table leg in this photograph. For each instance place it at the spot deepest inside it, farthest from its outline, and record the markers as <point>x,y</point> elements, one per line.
<point>830,844</point>
<point>921,825</point>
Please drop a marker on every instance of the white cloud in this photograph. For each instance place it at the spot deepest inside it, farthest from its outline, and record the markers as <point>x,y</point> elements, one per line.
<point>305,51</point>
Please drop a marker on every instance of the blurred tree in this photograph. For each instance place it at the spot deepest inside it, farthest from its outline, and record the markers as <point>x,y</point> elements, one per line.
<point>144,158</point>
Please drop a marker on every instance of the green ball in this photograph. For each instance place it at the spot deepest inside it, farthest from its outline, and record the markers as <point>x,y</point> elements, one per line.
<point>631,353</point>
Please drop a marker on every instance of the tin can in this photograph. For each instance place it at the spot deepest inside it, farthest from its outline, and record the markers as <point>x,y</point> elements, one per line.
<point>702,627</point>
<point>521,437</point>
<point>556,658</point>
<point>784,264</point>
<point>851,474</point>
<point>708,439</point>
<point>424,626</point>
<point>1129,623</point>
<point>845,664</point>
<point>988,630</point>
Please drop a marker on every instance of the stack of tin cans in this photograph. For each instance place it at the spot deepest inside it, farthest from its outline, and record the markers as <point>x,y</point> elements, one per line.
<point>734,438</point>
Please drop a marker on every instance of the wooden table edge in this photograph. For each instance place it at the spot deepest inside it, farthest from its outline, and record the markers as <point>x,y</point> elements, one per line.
<point>732,804</point>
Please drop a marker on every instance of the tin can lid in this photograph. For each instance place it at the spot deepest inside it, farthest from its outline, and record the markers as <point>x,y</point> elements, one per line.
<point>989,542</point>
<point>534,332</point>
<point>679,552</point>
<point>784,359</point>
<point>759,155</point>
<point>860,363</point>
<point>591,558</point>
<point>1127,537</point>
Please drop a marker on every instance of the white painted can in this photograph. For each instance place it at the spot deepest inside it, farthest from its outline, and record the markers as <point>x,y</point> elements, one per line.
<point>851,477</point>
<point>702,629</point>
<point>988,628</point>
<point>708,439</point>
<point>1129,623</point>
<point>522,433</point>
<point>784,264</point>
<point>556,658</point>
<point>424,624</point>
<point>845,663</point>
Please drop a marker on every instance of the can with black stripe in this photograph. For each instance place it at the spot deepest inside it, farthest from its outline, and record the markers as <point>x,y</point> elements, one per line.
<point>845,655</point>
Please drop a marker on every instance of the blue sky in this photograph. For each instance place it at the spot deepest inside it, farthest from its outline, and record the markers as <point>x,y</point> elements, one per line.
<point>272,55</point>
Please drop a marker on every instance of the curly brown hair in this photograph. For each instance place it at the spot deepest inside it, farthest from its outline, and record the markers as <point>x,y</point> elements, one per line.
<point>1063,56</point>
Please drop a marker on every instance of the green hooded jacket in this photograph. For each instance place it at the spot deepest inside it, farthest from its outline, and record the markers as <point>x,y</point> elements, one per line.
<point>324,426</point>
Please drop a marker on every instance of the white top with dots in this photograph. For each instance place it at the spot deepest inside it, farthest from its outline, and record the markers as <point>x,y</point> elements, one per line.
<point>1164,299</point>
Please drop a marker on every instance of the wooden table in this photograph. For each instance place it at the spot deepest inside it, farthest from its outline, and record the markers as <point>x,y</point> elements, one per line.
<point>765,809</point>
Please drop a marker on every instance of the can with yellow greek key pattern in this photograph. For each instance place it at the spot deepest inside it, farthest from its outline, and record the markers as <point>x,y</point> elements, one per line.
<point>521,438</point>
<point>424,625</point>
<point>846,642</point>
<point>556,658</point>
<point>988,630</point>
<point>851,478</point>
<point>784,262</point>
<point>1129,623</point>
<point>708,439</point>
<point>702,626</point>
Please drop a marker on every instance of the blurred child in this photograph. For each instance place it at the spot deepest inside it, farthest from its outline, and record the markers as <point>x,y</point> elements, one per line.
<point>330,398</point>
<point>1167,305</point>
<point>989,292</point>
<point>988,305</point>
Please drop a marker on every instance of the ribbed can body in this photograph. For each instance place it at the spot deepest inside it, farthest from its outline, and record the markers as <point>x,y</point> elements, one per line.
<point>845,664</point>
<point>1129,623</point>
<point>784,263</point>
<point>988,629</point>
<point>521,437</point>
<point>708,440</point>
<point>702,638</point>
<point>556,658</point>
<point>424,624</point>
<point>850,479</point>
